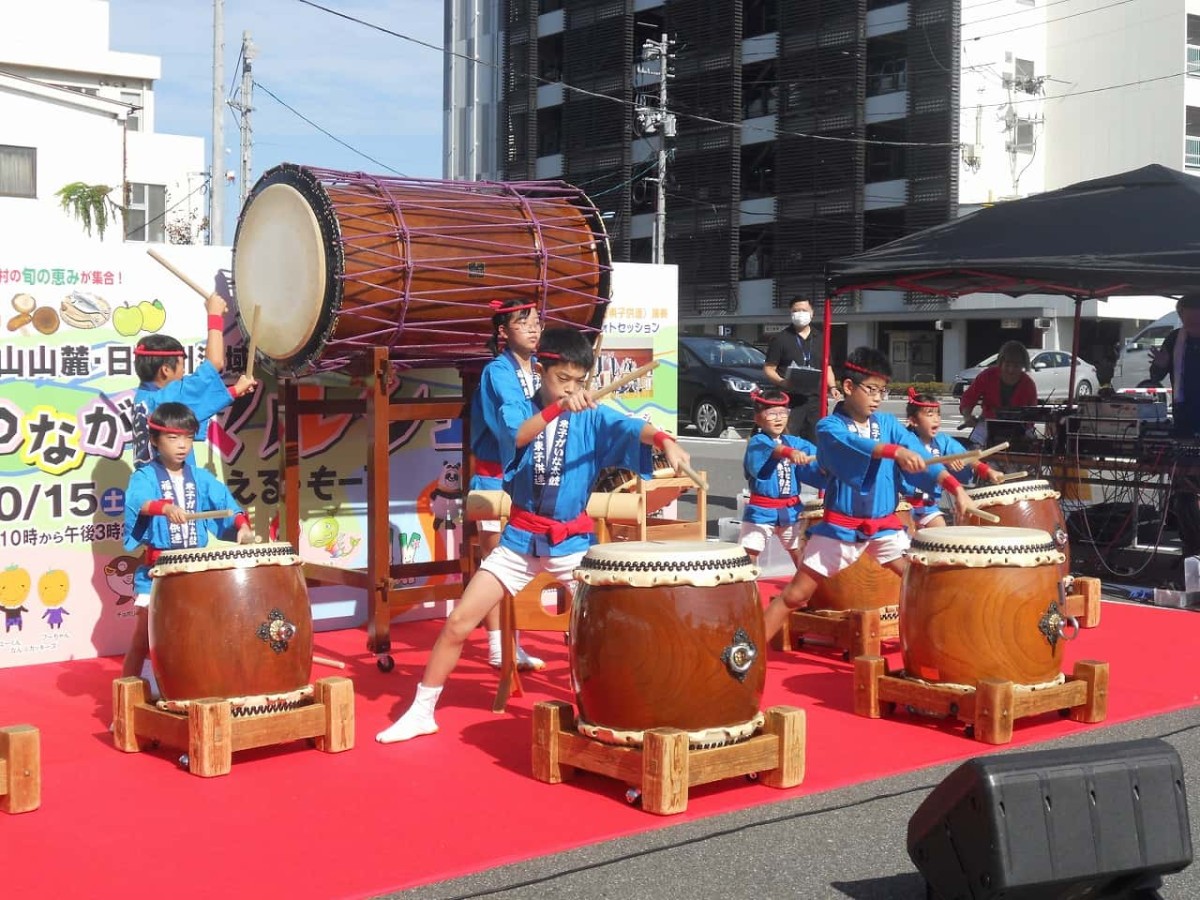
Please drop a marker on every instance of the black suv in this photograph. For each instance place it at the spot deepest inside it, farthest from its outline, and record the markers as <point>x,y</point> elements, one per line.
<point>716,376</point>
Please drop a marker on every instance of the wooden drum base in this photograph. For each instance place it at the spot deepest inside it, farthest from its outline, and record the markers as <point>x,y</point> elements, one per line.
<point>856,632</point>
<point>989,710</point>
<point>662,770</point>
<point>210,732</point>
<point>20,769</point>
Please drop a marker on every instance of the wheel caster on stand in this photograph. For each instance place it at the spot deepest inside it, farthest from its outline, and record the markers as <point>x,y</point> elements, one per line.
<point>184,761</point>
<point>385,663</point>
<point>752,776</point>
<point>632,795</point>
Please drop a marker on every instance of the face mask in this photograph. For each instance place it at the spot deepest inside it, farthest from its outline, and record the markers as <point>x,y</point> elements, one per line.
<point>801,319</point>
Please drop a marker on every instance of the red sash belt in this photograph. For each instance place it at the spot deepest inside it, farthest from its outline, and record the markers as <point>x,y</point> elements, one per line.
<point>918,502</point>
<point>152,555</point>
<point>868,527</point>
<point>552,528</point>
<point>488,469</point>
<point>773,502</point>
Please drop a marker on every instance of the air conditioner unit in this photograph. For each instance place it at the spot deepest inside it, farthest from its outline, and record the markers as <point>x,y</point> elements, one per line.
<point>942,324</point>
<point>1042,324</point>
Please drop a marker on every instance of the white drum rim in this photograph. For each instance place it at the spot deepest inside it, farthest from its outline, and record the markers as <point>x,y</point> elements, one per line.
<point>225,556</point>
<point>664,563</point>
<point>984,546</point>
<point>1012,492</point>
<point>280,268</point>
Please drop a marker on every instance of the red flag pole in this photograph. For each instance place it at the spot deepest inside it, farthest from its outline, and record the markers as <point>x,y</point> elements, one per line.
<point>828,324</point>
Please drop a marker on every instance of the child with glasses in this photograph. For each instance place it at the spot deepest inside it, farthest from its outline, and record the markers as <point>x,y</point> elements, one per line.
<point>500,405</point>
<point>863,451</point>
<point>775,465</point>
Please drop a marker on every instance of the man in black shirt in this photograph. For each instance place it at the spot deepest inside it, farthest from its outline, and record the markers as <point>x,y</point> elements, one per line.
<point>794,364</point>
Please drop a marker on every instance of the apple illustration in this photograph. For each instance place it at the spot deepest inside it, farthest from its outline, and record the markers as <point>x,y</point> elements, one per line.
<point>127,320</point>
<point>153,315</point>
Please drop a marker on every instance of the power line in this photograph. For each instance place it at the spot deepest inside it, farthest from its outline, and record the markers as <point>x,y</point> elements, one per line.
<point>331,136</point>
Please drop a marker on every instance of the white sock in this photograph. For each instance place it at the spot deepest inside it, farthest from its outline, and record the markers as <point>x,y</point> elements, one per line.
<point>495,648</point>
<point>416,721</point>
<point>524,660</point>
<point>148,675</point>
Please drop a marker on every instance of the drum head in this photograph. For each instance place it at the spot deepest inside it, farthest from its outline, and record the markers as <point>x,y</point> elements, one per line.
<point>224,556</point>
<point>279,269</point>
<point>1012,492</point>
<point>653,563</point>
<point>979,546</point>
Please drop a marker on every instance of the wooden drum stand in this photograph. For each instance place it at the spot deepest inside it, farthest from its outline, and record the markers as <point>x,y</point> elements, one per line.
<point>210,731</point>
<point>20,769</point>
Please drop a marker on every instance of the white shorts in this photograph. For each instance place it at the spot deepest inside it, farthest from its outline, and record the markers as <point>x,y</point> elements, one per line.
<point>142,601</point>
<point>492,525</point>
<point>754,535</point>
<point>827,556</point>
<point>926,514</point>
<point>514,571</point>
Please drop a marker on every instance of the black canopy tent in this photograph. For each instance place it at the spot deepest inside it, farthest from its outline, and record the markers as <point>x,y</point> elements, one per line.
<point>1129,234</point>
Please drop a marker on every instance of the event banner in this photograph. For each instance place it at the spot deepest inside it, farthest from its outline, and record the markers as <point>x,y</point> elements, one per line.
<point>74,314</point>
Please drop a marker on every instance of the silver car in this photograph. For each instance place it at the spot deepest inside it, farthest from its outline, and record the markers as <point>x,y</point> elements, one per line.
<point>1050,371</point>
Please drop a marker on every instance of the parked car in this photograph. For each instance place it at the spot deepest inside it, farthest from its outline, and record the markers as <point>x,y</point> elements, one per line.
<point>716,376</point>
<point>1050,371</point>
<point>1133,365</point>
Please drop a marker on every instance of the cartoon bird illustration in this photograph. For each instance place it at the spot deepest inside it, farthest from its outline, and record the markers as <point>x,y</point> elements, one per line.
<point>53,587</point>
<point>118,574</point>
<point>440,509</point>
<point>14,588</point>
<point>322,533</point>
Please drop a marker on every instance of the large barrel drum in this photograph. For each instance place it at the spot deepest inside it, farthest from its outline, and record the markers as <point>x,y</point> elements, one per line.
<point>1024,504</point>
<point>983,602</point>
<point>230,621</point>
<point>667,635</point>
<point>337,263</point>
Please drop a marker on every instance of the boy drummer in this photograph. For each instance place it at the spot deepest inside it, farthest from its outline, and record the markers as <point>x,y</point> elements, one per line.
<point>864,451</point>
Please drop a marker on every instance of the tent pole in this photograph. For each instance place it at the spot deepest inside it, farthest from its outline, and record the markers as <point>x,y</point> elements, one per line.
<point>828,325</point>
<point>1074,351</point>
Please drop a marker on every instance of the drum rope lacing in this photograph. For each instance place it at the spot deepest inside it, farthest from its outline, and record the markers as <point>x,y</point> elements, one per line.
<point>253,705</point>
<point>919,546</point>
<point>657,565</point>
<point>886,613</point>
<point>257,552</point>
<point>703,739</point>
<point>1004,494</point>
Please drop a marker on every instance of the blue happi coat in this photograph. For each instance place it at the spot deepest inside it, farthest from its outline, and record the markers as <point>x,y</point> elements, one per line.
<point>498,408</point>
<point>771,476</point>
<point>203,392</point>
<point>860,485</point>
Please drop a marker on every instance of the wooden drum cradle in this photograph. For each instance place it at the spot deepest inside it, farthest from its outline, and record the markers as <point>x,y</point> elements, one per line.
<point>339,263</point>
<point>982,631</point>
<point>668,667</point>
<point>1025,504</point>
<point>855,609</point>
<point>231,642</point>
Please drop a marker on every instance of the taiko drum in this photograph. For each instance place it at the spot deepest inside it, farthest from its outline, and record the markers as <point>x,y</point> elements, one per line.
<point>667,634</point>
<point>1024,504</point>
<point>338,263</point>
<point>983,602</point>
<point>232,621</point>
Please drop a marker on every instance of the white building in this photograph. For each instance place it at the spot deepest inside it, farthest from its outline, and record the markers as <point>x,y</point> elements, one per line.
<point>76,111</point>
<point>471,93</point>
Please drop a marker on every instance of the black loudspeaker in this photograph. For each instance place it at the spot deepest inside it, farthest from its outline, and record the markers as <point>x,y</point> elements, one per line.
<point>1104,821</point>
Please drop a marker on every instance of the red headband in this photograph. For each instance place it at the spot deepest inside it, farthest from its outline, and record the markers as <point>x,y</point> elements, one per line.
<point>547,354</point>
<point>758,398</point>
<point>927,404</point>
<point>853,368</point>
<point>499,307</point>
<point>142,351</point>
<point>154,426</point>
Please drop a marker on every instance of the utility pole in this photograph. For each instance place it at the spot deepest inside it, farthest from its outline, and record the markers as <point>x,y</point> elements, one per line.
<point>216,163</point>
<point>243,106</point>
<point>658,119</point>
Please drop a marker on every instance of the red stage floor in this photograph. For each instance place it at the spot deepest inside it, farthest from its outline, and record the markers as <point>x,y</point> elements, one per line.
<point>291,821</point>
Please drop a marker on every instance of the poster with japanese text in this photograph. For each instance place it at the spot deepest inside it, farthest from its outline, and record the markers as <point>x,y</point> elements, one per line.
<point>72,316</point>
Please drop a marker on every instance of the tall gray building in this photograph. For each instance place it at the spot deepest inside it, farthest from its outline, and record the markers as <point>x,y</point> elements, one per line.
<point>806,130</point>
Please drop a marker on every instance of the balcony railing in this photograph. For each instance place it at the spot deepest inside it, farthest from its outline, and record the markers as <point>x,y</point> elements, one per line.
<point>1193,60</point>
<point>1191,152</point>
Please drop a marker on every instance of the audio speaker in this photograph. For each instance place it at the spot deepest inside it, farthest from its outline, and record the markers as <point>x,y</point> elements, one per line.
<point>1103,821</point>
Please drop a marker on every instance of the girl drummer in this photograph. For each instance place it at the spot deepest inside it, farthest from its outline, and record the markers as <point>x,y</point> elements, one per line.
<point>158,501</point>
<point>775,464</point>
<point>925,421</point>
<point>863,451</point>
<point>499,406</point>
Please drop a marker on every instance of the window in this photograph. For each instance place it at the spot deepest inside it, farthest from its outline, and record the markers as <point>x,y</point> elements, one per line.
<point>1023,139</point>
<point>18,171</point>
<point>146,214</point>
<point>758,170</point>
<point>549,130</point>
<point>549,58</point>
<point>760,90</point>
<point>759,17</point>
<point>134,99</point>
<point>756,251</point>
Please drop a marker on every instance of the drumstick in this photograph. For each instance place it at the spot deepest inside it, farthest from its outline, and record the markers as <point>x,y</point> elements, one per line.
<point>980,514</point>
<point>1013,476</point>
<point>970,455</point>
<point>211,514</point>
<point>252,345</point>
<point>326,661</point>
<point>624,380</point>
<point>170,267</point>
<point>596,351</point>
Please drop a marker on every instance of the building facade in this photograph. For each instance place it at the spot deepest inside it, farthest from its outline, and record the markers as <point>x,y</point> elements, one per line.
<point>76,111</point>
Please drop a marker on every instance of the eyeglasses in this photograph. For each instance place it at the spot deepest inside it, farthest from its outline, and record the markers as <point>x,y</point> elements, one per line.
<point>879,393</point>
<point>775,412</point>
<point>525,326</point>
